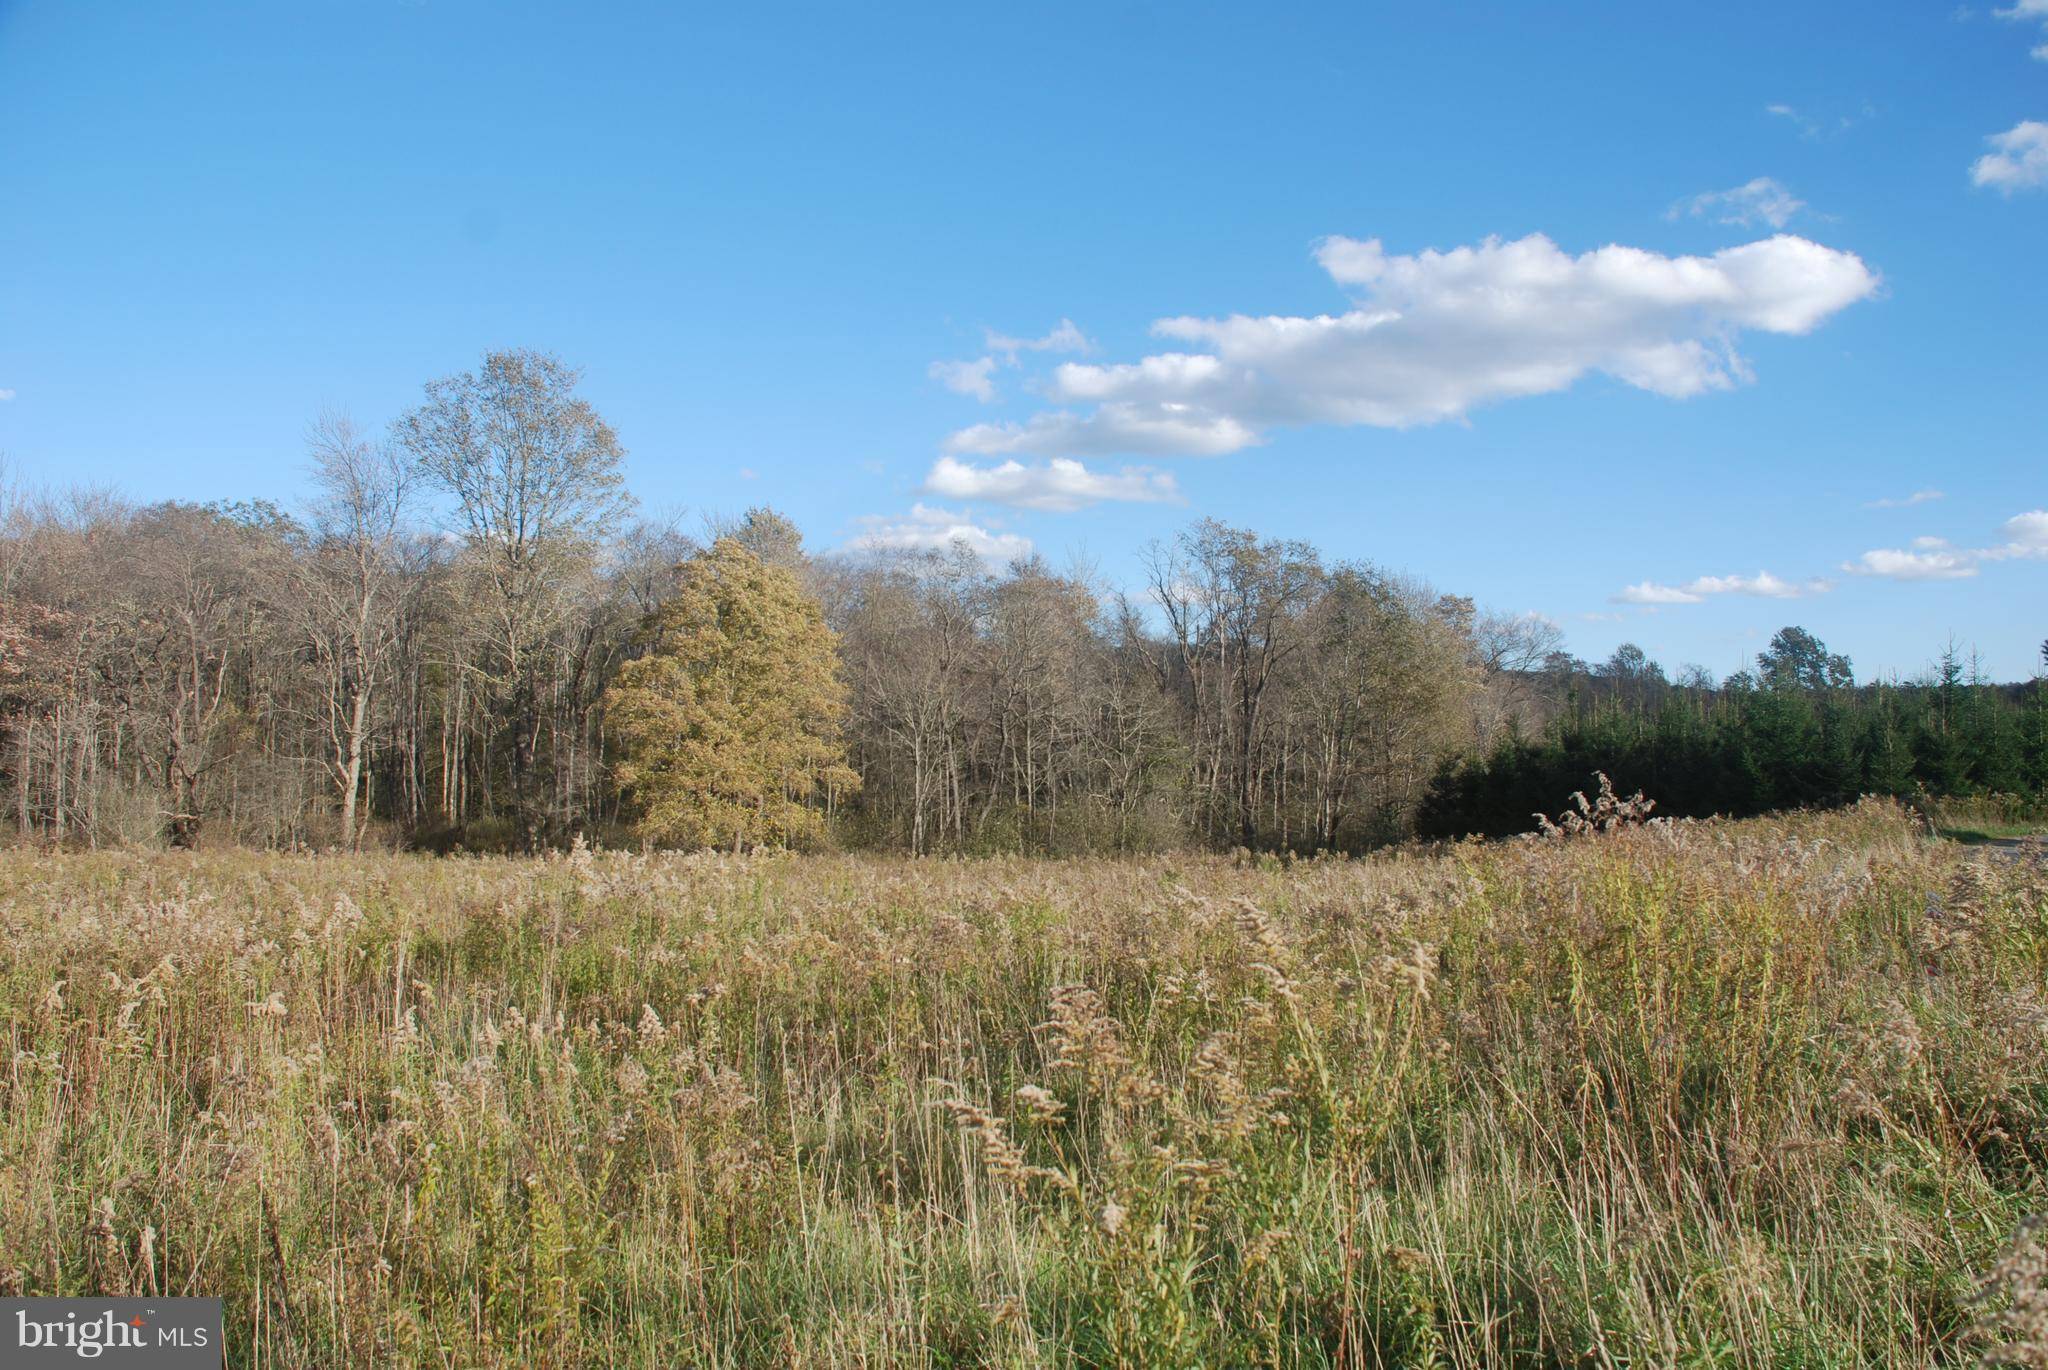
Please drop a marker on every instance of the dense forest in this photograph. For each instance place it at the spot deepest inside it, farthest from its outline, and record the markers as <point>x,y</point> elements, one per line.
<point>1795,732</point>
<point>423,653</point>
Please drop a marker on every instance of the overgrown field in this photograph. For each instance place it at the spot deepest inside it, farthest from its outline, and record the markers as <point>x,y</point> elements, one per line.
<point>1743,1093</point>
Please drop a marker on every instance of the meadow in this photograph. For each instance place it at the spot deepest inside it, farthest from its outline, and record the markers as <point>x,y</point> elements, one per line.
<point>1767,1092</point>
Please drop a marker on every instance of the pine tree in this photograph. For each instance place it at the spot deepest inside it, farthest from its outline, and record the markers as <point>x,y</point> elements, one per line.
<point>727,730</point>
<point>1836,772</point>
<point>2034,736</point>
<point>1888,759</point>
<point>1783,738</point>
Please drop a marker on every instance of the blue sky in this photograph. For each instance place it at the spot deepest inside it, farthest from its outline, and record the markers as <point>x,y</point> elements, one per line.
<point>806,255</point>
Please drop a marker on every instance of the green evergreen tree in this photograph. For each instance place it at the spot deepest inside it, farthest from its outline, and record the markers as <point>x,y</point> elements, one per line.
<point>1888,757</point>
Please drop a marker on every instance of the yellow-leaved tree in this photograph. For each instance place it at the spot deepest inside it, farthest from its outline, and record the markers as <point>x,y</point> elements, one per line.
<point>727,730</point>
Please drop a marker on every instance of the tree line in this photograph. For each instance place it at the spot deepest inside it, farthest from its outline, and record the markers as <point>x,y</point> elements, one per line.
<point>468,636</point>
<point>448,645</point>
<point>1797,731</point>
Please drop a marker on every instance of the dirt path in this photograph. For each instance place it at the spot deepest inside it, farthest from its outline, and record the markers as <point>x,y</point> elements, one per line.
<point>2033,847</point>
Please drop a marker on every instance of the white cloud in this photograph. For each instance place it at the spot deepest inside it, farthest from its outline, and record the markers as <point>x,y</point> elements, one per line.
<point>2026,535</point>
<point>1165,430</point>
<point>975,378</point>
<point>926,528</point>
<point>2020,161</point>
<point>2029,11</point>
<point>749,473</point>
<point>1064,338</point>
<point>1762,585</point>
<point>1649,592</point>
<point>1931,564</point>
<point>1906,501</point>
<point>1058,486</point>
<point>2025,538</point>
<point>1434,335</point>
<point>1761,200</point>
<point>5,396</point>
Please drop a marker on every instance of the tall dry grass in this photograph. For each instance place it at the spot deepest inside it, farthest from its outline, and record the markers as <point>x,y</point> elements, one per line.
<point>1735,1094</point>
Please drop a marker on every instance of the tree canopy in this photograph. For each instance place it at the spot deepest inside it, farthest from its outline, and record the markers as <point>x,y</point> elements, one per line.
<point>728,726</point>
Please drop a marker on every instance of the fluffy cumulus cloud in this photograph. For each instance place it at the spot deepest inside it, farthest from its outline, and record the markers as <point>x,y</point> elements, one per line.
<point>2030,11</point>
<point>926,528</point>
<point>2018,159</point>
<point>1762,200</point>
<point>2023,537</point>
<point>1762,585</point>
<point>2027,534</point>
<point>1431,336</point>
<point>1058,486</point>
<point>975,378</point>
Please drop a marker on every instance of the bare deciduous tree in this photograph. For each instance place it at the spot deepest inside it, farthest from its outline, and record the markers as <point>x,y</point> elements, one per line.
<point>1233,602</point>
<point>353,582</point>
<point>537,482</point>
